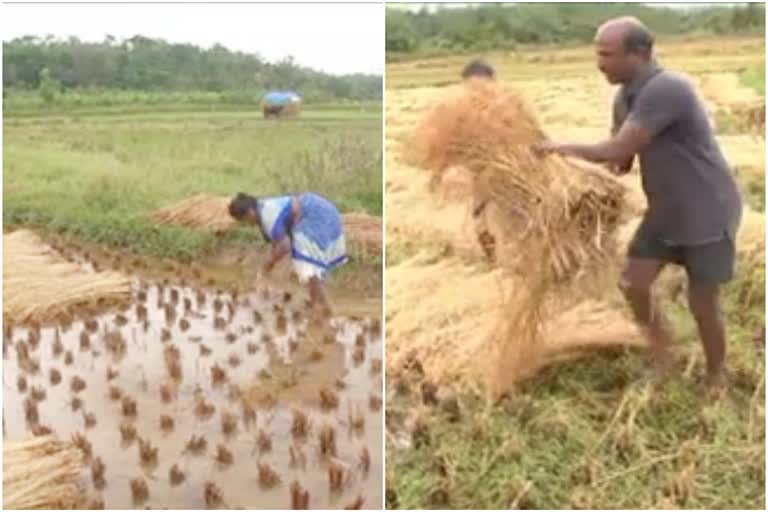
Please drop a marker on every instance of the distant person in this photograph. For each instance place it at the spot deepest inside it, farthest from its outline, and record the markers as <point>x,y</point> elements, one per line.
<point>694,207</point>
<point>478,68</point>
<point>481,69</point>
<point>308,226</point>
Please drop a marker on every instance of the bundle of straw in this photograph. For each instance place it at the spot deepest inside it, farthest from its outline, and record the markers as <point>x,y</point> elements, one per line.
<point>364,232</point>
<point>38,284</point>
<point>203,211</point>
<point>556,221</point>
<point>41,473</point>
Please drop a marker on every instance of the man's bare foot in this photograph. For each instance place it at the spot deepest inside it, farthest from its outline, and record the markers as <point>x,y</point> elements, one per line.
<point>715,385</point>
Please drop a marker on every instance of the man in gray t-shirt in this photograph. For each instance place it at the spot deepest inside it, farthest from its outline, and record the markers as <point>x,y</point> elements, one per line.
<point>694,207</point>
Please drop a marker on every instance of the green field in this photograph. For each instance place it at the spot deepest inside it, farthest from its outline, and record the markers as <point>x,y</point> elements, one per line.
<point>96,173</point>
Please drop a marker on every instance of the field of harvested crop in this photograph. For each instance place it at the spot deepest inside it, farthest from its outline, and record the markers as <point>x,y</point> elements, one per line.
<point>144,338</point>
<point>583,427</point>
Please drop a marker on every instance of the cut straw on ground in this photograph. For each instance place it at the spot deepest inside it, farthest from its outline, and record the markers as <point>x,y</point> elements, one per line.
<point>39,284</point>
<point>41,473</point>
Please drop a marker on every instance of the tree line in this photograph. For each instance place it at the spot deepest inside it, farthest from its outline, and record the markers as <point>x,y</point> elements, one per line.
<point>498,26</point>
<point>145,64</point>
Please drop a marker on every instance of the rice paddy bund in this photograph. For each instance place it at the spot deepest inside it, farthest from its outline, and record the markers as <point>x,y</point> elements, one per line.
<point>527,389</point>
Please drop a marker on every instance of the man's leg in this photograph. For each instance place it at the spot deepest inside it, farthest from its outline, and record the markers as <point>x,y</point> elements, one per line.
<point>709,266</point>
<point>704,301</point>
<point>317,295</point>
<point>636,283</point>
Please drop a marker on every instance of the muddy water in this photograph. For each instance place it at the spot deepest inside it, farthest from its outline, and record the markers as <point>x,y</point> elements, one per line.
<point>260,353</point>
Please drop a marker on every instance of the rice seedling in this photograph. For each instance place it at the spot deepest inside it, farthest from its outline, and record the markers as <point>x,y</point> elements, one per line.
<point>281,324</point>
<point>115,343</point>
<point>139,491</point>
<point>77,384</point>
<point>166,423</point>
<point>170,314</point>
<point>375,366</point>
<point>365,460</point>
<point>300,425</point>
<point>357,504</point>
<point>54,376</point>
<point>91,325</point>
<point>196,445</point>
<point>228,423</point>
<point>213,495</point>
<point>147,453</point>
<point>176,476</point>
<point>356,419</point>
<point>165,335</point>
<point>328,399</point>
<point>83,444</point>
<point>374,403</point>
<point>336,476</point>
<point>89,419</point>
<point>203,409</point>
<point>97,473</point>
<point>218,375</point>
<point>327,441</point>
<point>268,477</point>
<point>127,433</point>
<point>58,346</point>
<point>257,318</point>
<point>299,497</point>
<point>264,441</point>
<point>252,348</point>
<point>204,351</point>
<point>112,373</point>
<point>75,403</point>
<point>115,393</point>
<point>85,341</point>
<point>217,305</point>
<point>234,360</point>
<point>219,323</point>
<point>231,337</point>
<point>41,430</point>
<point>120,320</point>
<point>298,459</point>
<point>129,407</point>
<point>184,324</point>
<point>167,393</point>
<point>360,340</point>
<point>358,356</point>
<point>174,296</point>
<point>21,383</point>
<point>223,456</point>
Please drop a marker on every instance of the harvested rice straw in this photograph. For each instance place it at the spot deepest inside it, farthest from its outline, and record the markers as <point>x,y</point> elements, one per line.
<point>41,473</point>
<point>203,211</point>
<point>38,284</point>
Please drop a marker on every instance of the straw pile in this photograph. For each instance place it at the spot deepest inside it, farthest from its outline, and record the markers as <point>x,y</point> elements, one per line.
<point>41,473</point>
<point>211,213</point>
<point>555,221</point>
<point>204,212</point>
<point>448,333</point>
<point>39,285</point>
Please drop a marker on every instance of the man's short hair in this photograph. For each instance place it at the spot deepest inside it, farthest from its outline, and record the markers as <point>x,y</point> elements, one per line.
<point>638,40</point>
<point>478,68</point>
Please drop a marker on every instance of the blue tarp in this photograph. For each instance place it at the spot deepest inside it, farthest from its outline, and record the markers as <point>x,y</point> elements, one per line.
<point>280,97</point>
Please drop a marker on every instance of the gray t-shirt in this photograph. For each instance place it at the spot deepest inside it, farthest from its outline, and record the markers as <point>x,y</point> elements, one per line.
<point>692,196</point>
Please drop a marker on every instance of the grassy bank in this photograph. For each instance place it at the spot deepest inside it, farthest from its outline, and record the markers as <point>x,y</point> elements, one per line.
<point>97,177</point>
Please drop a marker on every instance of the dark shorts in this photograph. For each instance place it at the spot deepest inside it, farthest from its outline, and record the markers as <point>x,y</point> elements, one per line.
<point>708,263</point>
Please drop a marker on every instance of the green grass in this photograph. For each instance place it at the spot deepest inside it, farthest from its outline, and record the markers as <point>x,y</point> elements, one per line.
<point>594,434</point>
<point>97,177</point>
<point>754,77</point>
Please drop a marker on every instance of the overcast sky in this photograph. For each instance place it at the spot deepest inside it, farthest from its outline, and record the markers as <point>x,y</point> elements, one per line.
<point>335,38</point>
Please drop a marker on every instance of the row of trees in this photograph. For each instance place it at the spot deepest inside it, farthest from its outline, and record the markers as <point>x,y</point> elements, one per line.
<point>497,26</point>
<point>145,64</point>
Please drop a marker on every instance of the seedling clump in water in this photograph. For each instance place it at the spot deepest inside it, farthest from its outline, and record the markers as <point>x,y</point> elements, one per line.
<point>224,456</point>
<point>97,472</point>
<point>213,495</point>
<point>268,477</point>
<point>166,423</point>
<point>129,406</point>
<point>147,453</point>
<point>77,384</point>
<point>176,476</point>
<point>127,433</point>
<point>264,441</point>
<point>328,441</point>
<point>196,445</point>
<point>81,442</point>
<point>299,497</point>
<point>300,426</point>
<point>139,490</point>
